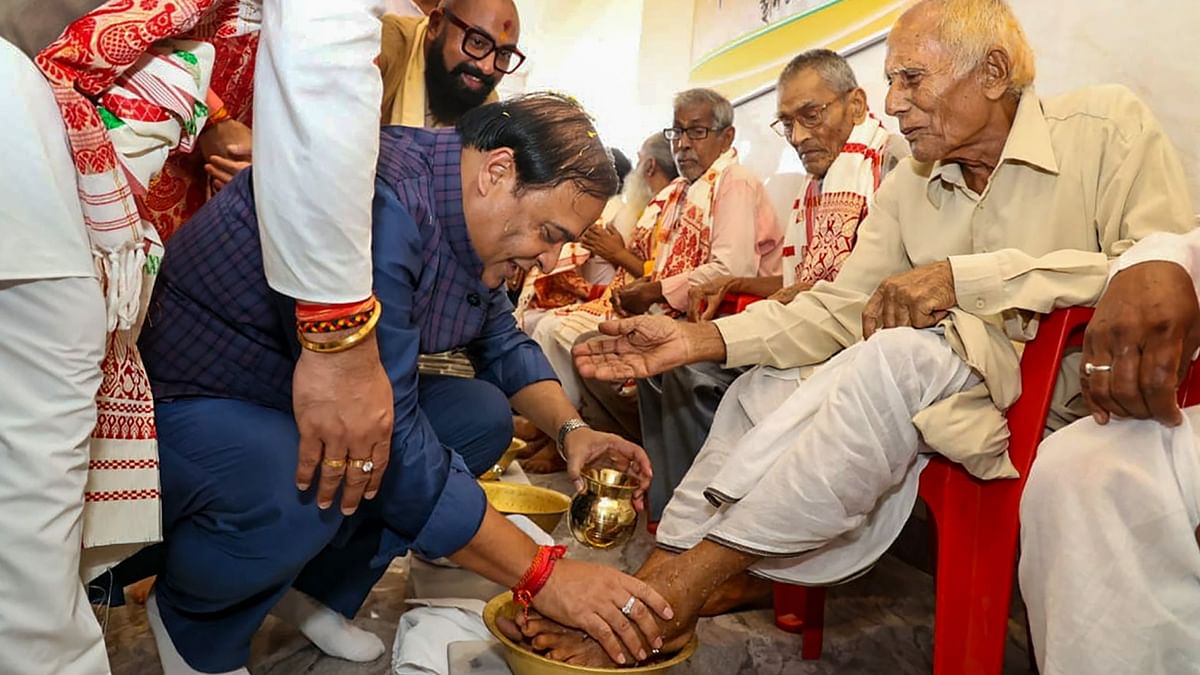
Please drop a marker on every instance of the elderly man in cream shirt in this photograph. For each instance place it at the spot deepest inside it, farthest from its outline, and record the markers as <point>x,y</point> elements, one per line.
<point>1011,205</point>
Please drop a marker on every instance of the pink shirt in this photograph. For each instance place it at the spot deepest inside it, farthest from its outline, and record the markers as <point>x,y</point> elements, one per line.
<point>746,236</point>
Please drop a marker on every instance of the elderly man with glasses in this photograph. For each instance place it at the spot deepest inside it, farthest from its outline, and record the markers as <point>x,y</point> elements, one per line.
<point>716,221</point>
<point>438,67</point>
<point>823,115</point>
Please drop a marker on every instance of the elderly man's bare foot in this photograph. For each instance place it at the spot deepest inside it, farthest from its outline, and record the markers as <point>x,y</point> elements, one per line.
<point>742,591</point>
<point>545,460</point>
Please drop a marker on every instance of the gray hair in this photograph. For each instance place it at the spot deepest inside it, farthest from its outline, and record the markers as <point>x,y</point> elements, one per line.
<point>972,28</point>
<point>831,66</point>
<point>721,107</point>
<point>659,149</point>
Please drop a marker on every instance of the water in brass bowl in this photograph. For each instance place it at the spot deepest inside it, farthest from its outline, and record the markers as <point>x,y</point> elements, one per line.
<point>602,516</point>
<point>524,662</point>
<point>515,448</point>
<point>544,507</point>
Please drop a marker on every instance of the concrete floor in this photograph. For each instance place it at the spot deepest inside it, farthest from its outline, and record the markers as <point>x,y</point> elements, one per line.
<point>879,624</point>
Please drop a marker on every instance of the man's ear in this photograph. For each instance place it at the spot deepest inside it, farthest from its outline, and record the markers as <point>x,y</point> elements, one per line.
<point>996,75</point>
<point>727,136</point>
<point>437,20</point>
<point>497,170</point>
<point>856,102</point>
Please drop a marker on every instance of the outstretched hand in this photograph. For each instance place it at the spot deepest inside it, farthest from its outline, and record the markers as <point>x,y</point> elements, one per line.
<point>646,345</point>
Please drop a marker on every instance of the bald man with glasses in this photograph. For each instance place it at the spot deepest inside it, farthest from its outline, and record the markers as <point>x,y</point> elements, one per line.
<point>438,67</point>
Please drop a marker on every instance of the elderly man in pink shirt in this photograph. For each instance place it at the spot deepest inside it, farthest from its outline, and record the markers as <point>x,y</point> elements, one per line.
<point>722,225</point>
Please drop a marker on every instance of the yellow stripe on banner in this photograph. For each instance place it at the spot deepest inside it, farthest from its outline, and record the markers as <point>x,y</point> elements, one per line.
<point>755,60</point>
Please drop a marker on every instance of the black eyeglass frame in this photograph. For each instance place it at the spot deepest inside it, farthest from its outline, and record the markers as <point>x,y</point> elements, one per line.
<point>673,134</point>
<point>470,31</point>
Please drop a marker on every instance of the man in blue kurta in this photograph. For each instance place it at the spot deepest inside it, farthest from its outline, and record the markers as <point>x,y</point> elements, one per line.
<point>455,213</point>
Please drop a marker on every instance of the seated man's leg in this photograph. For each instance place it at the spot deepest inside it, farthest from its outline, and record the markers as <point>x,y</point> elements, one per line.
<point>237,531</point>
<point>1110,566</point>
<point>840,473</point>
<point>470,416</point>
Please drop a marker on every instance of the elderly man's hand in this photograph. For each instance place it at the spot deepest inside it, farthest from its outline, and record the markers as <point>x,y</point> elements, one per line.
<point>636,298</point>
<point>705,299</point>
<point>1147,328</point>
<point>920,298</point>
<point>647,345</point>
<point>789,293</point>
<point>603,240</point>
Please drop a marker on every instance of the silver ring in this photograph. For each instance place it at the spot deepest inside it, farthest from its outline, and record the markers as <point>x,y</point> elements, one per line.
<point>1089,368</point>
<point>628,608</point>
<point>656,651</point>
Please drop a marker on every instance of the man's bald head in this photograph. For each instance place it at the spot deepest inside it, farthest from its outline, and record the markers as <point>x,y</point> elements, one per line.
<point>469,46</point>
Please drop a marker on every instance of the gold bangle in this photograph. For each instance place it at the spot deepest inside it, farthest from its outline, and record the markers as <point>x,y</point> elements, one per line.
<point>342,344</point>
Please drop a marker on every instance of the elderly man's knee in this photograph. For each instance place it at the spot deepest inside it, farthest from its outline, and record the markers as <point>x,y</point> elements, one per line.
<point>1077,465</point>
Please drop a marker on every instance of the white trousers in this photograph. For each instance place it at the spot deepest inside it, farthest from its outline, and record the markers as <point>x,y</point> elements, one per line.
<point>818,476</point>
<point>51,344</point>
<point>1110,567</point>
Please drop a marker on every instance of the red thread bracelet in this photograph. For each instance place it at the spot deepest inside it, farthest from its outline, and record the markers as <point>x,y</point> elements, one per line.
<point>536,576</point>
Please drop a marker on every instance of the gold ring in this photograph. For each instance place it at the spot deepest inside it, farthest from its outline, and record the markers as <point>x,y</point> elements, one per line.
<point>365,465</point>
<point>333,463</point>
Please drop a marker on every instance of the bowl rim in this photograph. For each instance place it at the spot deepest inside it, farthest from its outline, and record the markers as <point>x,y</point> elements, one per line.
<point>485,485</point>
<point>493,607</point>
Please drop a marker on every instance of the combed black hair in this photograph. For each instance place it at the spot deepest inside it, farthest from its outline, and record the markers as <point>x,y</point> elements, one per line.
<point>553,142</point>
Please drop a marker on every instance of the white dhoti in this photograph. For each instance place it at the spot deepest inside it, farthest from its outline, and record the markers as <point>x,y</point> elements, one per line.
<point>1110,567</point>
<point>817,475</point>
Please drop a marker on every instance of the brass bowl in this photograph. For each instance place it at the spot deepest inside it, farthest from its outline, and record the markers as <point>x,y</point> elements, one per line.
<point>602,516</point>
<point>524,662</point>
<point>515,448</point>
<point>544,507</point>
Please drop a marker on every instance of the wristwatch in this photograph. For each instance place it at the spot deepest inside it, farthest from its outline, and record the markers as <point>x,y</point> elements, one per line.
<point>566,428</point>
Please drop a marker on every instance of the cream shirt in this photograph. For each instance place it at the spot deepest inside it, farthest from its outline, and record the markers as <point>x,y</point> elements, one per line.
<point>1081,177</point>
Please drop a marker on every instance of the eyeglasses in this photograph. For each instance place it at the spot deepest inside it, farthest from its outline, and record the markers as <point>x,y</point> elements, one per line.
<point>479,45</point>
<point>694,133</point>
<point>810,117</point>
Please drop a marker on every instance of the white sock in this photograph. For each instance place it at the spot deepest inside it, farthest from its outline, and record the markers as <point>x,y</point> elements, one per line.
<point>327,629</point>
<point>172,662</point>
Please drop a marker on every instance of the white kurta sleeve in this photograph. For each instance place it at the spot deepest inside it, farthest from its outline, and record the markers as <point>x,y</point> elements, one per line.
<point>317,95</point>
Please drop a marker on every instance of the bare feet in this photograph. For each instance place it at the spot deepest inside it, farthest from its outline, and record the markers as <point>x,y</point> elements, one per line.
<point>524,429</point>
<point>545,460</point>
<point>741,591</point>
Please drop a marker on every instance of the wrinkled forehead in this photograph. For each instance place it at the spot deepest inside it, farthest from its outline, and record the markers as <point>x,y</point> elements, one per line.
<point>914,43</point>
<point>803,89</point>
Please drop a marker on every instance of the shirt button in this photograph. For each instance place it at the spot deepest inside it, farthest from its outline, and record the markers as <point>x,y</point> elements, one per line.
<point>473,299</point>
<point>979,303</point>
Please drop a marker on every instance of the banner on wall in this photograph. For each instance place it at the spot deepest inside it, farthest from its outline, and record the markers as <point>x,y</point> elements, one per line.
<point>740,46</point>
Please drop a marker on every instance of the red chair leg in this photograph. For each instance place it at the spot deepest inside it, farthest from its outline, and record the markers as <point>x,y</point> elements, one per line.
<point>801,609</point>
<point>974,589</point>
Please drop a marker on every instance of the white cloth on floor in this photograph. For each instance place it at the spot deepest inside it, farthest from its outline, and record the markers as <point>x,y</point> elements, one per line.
<point>1110,567</point>
<point>817,475</point>
<point>425,633</point>
<point>559,355</point>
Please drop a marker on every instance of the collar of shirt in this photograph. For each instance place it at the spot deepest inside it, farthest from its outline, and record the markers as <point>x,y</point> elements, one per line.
<point>1028,144</point>
<point>448,196</point>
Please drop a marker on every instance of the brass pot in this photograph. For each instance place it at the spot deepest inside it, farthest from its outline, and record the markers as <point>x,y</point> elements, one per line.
<point>516,447</point>
<point>524,662</point>
<point>602,516</point>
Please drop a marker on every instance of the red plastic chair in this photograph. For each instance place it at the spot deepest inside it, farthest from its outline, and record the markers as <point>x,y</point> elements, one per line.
<point>976,527</point>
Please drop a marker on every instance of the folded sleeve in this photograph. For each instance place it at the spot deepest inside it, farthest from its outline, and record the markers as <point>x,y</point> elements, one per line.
<point>503,355</point>
<point>317,96</point>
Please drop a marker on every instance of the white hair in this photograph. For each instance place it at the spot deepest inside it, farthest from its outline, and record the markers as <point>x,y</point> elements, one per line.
<point>972,28</point>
